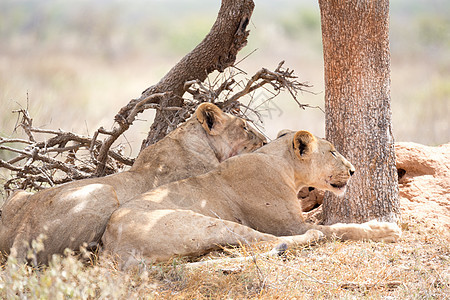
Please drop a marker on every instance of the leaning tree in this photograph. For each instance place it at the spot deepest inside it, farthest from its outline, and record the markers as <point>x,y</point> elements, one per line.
<point>355,38</point>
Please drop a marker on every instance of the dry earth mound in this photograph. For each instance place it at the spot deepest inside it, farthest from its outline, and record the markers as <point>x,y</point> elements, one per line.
<point>424,185</point>
<point>424,182</point>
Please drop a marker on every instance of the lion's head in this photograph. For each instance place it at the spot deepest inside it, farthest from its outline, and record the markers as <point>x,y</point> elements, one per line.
<point>317,163</point>
<point>228,135</point>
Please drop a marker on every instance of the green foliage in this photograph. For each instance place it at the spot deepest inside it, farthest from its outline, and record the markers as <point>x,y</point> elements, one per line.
<point>434,30</point>
<point>300,21</point>
<point>184,35</point>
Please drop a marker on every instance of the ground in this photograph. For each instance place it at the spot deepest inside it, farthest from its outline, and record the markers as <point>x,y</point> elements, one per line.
<point>416,267</point>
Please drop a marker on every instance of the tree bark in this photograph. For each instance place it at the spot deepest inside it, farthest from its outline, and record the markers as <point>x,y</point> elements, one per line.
<point>217,51</point>
<point>357,107</point>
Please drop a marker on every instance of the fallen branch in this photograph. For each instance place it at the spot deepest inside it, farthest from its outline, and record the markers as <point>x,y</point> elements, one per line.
<point>279,79</point>
<point>58,159</point>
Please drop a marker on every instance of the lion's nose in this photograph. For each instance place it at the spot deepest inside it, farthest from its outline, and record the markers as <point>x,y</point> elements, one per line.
<point>351,171</point>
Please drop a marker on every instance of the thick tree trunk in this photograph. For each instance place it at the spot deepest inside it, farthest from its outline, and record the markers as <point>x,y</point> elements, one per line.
<point>217,51</point>
<point>357,106</point>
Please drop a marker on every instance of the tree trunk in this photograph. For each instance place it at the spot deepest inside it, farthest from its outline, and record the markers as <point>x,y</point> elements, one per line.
<point>217,51</point>
<point>357,107</point>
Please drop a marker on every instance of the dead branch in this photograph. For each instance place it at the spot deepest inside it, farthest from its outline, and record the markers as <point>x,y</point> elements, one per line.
<point>54,160</point>
<point>123,123</point>
<point>278,80</point>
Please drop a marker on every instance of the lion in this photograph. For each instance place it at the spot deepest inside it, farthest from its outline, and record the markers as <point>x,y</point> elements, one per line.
<point>247,198</point>
<point>76,213</point>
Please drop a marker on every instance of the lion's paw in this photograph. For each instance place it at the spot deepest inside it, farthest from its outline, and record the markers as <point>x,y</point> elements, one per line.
<point>314,235</point>
<point>383,231</point>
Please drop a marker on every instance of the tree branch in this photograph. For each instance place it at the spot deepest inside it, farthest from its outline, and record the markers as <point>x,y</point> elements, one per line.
<point>123,123</point>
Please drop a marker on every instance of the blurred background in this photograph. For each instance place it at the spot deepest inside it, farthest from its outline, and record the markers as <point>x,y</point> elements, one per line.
<point>74,64</point>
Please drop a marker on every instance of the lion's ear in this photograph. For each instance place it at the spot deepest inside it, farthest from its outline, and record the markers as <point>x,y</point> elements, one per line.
<point>211,118</point>
<point>283,132</point>
<point>304,143</point>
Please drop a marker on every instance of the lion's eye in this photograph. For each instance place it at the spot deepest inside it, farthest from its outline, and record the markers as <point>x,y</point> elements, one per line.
<point>333,153</point>
<point>245,127</point>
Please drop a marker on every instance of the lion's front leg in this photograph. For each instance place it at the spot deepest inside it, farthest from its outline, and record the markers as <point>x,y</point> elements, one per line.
<point>285,242</point>
<point>308,237</point>
<point>373,230</point>
<point>135,236</point>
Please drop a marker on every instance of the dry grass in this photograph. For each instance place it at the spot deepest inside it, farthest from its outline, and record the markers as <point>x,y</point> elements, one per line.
<point>417,267</point>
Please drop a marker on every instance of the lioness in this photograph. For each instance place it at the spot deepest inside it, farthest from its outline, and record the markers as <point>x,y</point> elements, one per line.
<point>77,212</point>
<point>251,197</point>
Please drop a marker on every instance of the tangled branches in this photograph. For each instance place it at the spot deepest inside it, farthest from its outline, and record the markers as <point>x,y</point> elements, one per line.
<point>50,157</point>
<point>272,82</point>
<point>63,157</point>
